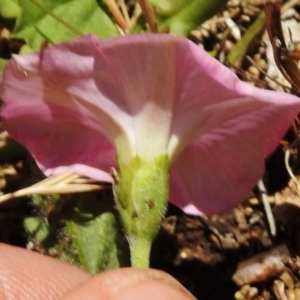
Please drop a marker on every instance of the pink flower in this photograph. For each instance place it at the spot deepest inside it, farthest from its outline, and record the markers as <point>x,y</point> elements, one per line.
<point>78,105</point>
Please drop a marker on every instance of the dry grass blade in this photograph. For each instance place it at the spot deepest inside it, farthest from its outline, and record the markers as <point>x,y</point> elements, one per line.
<point>149,14</point>
<point>240,49</point>
<point>285,87</point>
<point>119,18</point>
<point>289,170</point>
<point>267,207</point>
<point>66,183</point>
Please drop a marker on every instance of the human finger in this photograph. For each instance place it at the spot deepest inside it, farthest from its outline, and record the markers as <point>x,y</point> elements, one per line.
<point>28,275</point>
<point>130,284</point>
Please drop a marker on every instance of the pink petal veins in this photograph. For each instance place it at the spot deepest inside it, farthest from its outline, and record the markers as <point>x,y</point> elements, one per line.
<point>230,157</point>
<point>74,103</point>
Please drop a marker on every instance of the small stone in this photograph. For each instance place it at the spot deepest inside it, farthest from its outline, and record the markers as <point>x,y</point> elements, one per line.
<point>254,71</point>
<point>239,296</point>
<point>287,279</point>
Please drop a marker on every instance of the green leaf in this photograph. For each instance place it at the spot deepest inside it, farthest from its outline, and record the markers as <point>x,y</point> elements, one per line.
<point>9,12</point>
<point>95,231</point>
<point>179,17</point>
<point>36,228</point>
<point>9,9</point>
<point>89,16</point>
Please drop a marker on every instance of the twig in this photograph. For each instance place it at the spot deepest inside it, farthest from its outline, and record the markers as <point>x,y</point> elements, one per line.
<point>134,18</point>
<point>124,11</point>
<point>288,168</point>
<point>149,14</point>
<point>257,27</point>
<point>261,267</point>
<point>267,207</point>
<point>289,5</point>
<point>119,18</point>
<point>265,74</point>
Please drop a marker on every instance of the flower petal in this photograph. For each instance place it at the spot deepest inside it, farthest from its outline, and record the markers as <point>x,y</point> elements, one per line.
<point>146,95</point>
<point>221,167</point>
<point>60,140</point>
<point>55,109</point>
<point>113,84</point>
<point>144,67</point>
<point>209,94</point>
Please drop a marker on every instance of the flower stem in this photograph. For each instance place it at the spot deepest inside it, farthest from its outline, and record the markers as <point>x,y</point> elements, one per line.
<point>141,192</point>
<point>140,252</point>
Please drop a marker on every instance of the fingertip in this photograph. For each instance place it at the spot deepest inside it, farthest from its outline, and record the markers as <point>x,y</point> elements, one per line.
<point>152,290</point>
<point>128,283</point>
<point>25,274</point>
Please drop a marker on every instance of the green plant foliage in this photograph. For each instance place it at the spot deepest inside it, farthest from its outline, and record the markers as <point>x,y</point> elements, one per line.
<point>37,229</point>
<point>35,25</point>
<point>9,12</point>
<point>37,226</point>
<point>179,17</point>
<point>94,230</point>
<point>82,229</point>
<point>240,48</point>
<point>9,9</point>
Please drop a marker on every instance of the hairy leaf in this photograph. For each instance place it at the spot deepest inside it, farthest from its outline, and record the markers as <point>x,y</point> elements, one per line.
<point>36,25</point>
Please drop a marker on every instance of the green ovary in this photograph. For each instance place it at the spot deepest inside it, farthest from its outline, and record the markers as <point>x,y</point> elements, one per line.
<point>141,196</point>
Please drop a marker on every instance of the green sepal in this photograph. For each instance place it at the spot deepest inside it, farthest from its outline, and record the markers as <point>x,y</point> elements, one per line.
<point>141,194</point>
